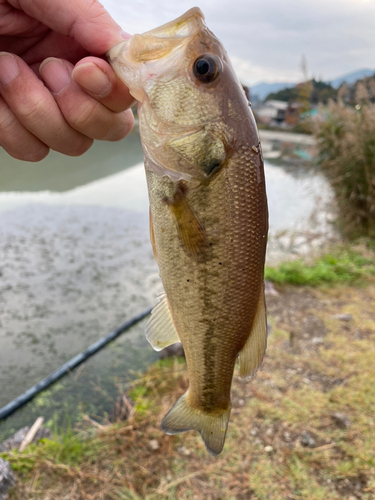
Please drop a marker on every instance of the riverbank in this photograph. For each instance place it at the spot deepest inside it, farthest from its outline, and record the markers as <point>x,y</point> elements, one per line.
<point>303,428</point>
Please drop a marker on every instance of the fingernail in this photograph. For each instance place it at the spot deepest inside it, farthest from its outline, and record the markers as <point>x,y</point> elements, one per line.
<point>9,68</point>
<point>55,74</point>
<point>93,79</point>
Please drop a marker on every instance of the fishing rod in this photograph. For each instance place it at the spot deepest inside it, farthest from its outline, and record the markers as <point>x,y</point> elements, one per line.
<point>67,367</point>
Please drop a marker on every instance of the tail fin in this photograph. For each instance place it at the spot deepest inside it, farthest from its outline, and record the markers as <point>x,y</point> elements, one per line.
<point>213,428</point>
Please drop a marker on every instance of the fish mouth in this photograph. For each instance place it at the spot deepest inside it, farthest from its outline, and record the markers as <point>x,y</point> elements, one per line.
<point>182,27</point>
<point>131,58</point>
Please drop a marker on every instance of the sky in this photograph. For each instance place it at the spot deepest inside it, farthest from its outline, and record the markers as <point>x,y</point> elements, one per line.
<point>266,39</point>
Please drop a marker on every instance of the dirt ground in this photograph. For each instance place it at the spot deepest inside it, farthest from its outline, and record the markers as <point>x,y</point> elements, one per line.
<point>303,428</point>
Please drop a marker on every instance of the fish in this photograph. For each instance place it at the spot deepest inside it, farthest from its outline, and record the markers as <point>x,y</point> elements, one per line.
<point>208,213</point>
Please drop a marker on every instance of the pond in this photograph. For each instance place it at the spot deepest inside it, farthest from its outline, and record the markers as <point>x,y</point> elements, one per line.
<point>76,262</point>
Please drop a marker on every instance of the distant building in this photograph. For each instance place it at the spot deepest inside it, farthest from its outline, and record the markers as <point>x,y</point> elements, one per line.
<point>293,113</point>
<point>272,113</point>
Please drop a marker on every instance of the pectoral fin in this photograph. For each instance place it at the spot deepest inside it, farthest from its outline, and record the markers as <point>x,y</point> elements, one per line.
<point>190,230</point>
<point>252,354</point>
<point>160,330</point>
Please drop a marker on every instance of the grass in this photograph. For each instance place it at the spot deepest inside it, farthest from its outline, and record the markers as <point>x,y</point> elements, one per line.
<point>344,265</point>
<point>302,383</point>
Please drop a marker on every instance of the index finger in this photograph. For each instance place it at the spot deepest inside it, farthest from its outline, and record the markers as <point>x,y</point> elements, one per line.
<point>86,21</point>
<point>98,79</point>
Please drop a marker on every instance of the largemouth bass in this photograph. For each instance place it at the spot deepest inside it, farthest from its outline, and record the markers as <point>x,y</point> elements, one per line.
<point>208,213</point>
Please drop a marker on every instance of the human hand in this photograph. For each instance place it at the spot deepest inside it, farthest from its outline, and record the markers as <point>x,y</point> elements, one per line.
<point>58,114</point>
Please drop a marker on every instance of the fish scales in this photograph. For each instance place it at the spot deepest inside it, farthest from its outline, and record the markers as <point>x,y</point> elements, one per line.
<point>208,213</point>
<point>197,293</point>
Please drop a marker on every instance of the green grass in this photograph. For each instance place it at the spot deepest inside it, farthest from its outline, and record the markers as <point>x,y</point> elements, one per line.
<point>68,449</point>
<point>342,266</point>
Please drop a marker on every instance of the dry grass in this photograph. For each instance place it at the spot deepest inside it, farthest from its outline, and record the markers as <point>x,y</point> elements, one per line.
<point>316,366</point>
<point>346,144</point>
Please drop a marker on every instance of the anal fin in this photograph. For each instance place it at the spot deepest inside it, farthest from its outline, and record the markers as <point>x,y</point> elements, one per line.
<point>160,330</point>
<point>252,354</point>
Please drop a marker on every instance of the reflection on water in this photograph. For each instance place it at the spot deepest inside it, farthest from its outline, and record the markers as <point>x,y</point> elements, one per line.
<point>287,148</point>
<point>126,190</point>
<point>76,262</point>
<point>62,173</point>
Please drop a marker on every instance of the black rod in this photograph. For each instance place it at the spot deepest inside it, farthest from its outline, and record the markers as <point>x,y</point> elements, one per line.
<point>53,377</point>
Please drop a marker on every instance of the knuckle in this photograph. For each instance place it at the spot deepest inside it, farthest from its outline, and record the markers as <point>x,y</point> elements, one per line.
<point>31,109</point>
<point>17,141</point>
<point>8,121</point>
<point>94,120</point>
<point>83,117</point>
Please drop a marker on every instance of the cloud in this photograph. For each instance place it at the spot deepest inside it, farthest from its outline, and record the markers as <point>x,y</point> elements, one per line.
<point>268,38</point>
<point>249,73</point>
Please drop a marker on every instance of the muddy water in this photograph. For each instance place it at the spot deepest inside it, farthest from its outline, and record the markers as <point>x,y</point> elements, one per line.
<point>76,262</point>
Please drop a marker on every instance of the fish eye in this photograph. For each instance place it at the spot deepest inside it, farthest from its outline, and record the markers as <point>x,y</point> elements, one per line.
<point>207,68</point>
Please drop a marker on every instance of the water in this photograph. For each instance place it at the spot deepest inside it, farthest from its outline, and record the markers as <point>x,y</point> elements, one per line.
<point>76,262</point>
<point>61,173</point>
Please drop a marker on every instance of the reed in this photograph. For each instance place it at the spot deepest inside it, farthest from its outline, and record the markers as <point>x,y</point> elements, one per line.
<point>346,154</point>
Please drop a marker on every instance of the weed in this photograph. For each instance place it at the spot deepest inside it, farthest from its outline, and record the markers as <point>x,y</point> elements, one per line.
<point>344,265</point>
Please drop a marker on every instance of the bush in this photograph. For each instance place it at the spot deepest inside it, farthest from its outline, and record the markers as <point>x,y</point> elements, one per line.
<point>346,154</point>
